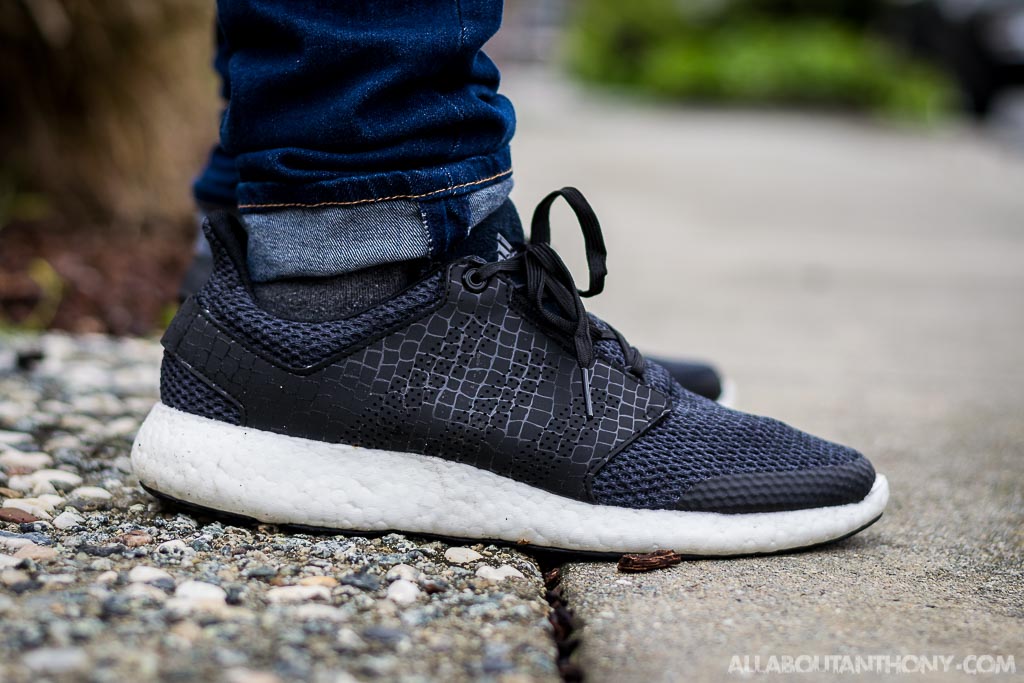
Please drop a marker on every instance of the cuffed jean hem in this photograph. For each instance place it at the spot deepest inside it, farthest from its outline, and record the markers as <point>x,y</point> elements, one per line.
<point>306,191</point>
<point>331,238</point>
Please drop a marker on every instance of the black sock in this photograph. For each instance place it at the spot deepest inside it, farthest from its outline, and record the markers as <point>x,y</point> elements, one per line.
<point>316,299</point>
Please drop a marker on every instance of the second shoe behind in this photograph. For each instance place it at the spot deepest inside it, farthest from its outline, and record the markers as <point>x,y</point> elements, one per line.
<point>482,402</point>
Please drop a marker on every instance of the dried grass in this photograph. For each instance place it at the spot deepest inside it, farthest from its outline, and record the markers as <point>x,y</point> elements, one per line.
<point>107,108</point>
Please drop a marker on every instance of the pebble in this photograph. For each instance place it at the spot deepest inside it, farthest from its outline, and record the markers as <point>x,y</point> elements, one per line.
<point>327,581</point>
<point>102,551</point>
<point>173,547</point>
<point>260,572</point>
<point>121,427</point>
<point>14,541</point>
<point>8,438</point>
<point>403,592</point>
<point>107,577</point>
<point>8,562</point>
<point>68,519</point>
<point>20,462</point>
<point>32,506</point>
<point>144,574</point>
<point>56,579</point>
<point>20,483</point>
<point>199,597</point>
<point>56,660</point>
<point>461,555</point>
<point>362,581</point>
<point>96,404</point>
<point>433,585</point>
<point>50,501</point>
<point>15,515</point>
<point>14,577</point>
<point>36,552</point>
<point>90,497</point>
<point>317,611</point>
<point>81,423</point>
<point>403,571</point>
<point>43,487</point>
<point>136,538</point>
<point>59,479</point>
<point>200,591</point>
<point>505,571</point>
<point>243,675</point>
<point>145,590</point>
<point>349,639</point>
<point>286,594</point>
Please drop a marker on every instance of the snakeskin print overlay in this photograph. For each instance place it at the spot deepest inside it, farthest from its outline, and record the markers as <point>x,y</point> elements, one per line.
<point>473,381</point>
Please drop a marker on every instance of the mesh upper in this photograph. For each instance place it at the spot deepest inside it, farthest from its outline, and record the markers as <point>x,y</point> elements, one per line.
<point>181,389</point>
<point>700,440</point>
<point>302,344</point>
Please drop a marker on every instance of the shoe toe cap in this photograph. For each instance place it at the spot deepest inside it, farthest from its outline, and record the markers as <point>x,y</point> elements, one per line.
<point>707,458</point>
<point>774,491</point>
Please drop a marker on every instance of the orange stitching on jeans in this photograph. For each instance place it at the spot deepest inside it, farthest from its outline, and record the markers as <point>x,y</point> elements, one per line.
<point>376,199</point>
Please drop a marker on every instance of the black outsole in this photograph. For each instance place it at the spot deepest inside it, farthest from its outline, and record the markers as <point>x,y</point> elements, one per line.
<point>543,553</point>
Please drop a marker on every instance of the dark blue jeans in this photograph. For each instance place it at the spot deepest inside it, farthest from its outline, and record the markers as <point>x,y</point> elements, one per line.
<point>361,131</point>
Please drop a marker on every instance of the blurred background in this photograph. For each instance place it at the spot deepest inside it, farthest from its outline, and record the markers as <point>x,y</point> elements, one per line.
<point>108,108</point>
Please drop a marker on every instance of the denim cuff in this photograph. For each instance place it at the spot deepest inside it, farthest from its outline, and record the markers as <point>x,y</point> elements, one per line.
<point>349,189</point>
<point>336,237</point>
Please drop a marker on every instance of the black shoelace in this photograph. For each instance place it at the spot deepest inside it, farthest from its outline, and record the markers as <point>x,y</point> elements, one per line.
<point>550,287</point>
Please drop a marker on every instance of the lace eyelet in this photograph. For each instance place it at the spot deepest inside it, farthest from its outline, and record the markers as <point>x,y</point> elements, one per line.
<point>472,281</point>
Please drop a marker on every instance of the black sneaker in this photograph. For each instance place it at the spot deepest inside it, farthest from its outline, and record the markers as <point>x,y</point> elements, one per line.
<point>700,378</point>
<point>482,402</point>
<point>696,376</point>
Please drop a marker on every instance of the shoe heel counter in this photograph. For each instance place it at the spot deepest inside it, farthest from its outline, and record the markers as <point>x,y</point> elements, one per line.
<point>183,387</point>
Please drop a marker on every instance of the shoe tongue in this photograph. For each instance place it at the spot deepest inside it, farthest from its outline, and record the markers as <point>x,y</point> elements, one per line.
<point>495,237</point>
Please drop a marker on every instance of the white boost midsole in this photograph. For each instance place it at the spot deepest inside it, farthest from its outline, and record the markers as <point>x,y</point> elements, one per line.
<point>289,480</point>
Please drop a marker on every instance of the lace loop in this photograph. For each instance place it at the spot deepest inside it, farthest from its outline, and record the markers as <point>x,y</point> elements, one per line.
<point>593,239</point>
<point>552,291</point>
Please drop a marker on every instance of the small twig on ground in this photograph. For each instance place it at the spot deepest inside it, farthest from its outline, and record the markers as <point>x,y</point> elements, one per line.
<point>645,562</point>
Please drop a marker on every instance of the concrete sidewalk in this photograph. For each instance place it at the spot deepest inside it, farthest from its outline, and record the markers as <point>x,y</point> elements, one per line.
<point>860,281</point>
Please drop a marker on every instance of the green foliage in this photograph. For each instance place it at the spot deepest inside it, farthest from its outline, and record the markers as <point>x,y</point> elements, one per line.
<point>51,288</point>
<point>754,52</point>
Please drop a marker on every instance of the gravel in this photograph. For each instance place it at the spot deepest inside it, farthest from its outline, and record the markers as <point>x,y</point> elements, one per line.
<point>101,582</point>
